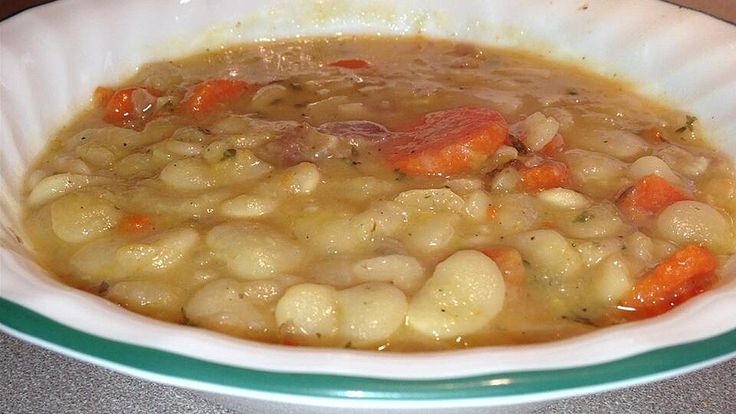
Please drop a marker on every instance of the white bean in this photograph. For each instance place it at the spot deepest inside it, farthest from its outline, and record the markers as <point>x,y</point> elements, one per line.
<point>329,234</point>
<point>362,189</point>
<point>600,220</point>
<point>115,139</point>
<point>77,166</point>
<point>477,204</point>
<point>514,213</point>
<point>183,149</point>
<point>613,279</point>
<point>310,311</point>
<point>405,272</point>
<point>268,291</point>
<point>506,180</point>
<point>539,130</point>
<point>371,312</point>
<point>266,96</point>
<point>153,298</point>
<point>503,155</point>
<point>465,185</point>
<point>95,261</point>
<point>433,199</point>
<point>78,217</point>
<point>222,306</point>
<point>247,206</point>
<point>253,251</point>
<point>564,198</point>
<point>137,165</point>
<point>650,164</point>
<point>594,251</point>
<point>302,178</point>
<point>694,222</point>
<point>549,252</point>
<point>190,134</point>
<point>240,167</point>
<point>323,146</point>
<point>217,151</point>
<point>55,186</point>
<point>96,155</point>
<point>465,292</point>
<point>157,253</point>
<point>640,246</point>
<point>597,175</point>
<point>188,174</point>
<point>684,161</point>
<point>324,108</point>
<point>430,233</point>
<point>156,130</point>
<point>623,145</point>
<point>382,218</point>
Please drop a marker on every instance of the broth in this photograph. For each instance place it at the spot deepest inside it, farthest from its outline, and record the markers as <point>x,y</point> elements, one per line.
<point>400,194</point>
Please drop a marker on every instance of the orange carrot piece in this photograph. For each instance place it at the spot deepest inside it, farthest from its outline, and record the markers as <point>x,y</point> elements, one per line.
<point>647,197</point>
<point>686,273</point>
<point>553,147</point>
<point>653,135</point>
<point>548,174</point>
<point>136,224</point>
<point>491,212</point>
<point>129,106</point>
<point>510,263</point>
<point>447,142</point>
<point>350,63</point>
<point>206,95</point>
<point>102,95</point>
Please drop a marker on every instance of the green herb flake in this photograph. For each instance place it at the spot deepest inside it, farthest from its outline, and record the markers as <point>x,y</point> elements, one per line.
<point>229,153</point>
<point>689,121</point>
<point>104,286</point>
<point>584,217</point>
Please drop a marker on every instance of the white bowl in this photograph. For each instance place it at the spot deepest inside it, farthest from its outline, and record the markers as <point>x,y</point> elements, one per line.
<point>52,58</point>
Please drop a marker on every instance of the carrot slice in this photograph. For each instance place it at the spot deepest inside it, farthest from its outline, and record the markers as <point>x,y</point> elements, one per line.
<point>553,147</point>
<point>686,273</point>
<point>136,224</point>
<point>206,95</point>
<point>128,107</point>
<point>350,63</point>
<point>510,263</point>
<point>647,197</point>
<point>447,142</point>
<point>102,95</point>
<point>548,174</point>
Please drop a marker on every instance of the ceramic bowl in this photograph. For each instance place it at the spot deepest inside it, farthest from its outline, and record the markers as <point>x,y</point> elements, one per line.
<point>53,57</point>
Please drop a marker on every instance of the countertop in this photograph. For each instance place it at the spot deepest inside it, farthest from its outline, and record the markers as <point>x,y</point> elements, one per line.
<point>35,380</point>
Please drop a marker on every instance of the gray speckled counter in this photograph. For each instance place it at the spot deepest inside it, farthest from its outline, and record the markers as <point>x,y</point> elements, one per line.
<point>34,380</point>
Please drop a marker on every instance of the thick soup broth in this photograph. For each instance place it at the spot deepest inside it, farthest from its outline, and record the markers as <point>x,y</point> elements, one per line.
<point>394,194</point>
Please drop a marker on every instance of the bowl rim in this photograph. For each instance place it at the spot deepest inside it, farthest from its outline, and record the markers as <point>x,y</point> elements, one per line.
<point>341,390</point>
<point>19,318</point>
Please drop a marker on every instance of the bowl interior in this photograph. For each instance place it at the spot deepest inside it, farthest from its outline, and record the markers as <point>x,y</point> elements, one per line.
<point>689,61</point>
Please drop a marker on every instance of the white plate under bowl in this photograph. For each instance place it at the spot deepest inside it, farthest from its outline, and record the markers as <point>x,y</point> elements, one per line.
<point>52,58</point>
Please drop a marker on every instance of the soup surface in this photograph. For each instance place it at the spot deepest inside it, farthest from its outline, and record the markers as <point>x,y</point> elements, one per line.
<point>393,194</point>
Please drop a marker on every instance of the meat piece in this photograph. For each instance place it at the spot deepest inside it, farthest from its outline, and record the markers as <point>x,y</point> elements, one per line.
<point>357,133</point>
<point>331,140</point>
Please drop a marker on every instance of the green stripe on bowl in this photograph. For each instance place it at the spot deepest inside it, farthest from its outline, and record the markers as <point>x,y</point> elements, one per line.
<point>508,384</point>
